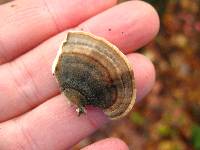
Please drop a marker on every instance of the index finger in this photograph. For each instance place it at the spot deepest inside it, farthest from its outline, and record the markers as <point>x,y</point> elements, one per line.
<point>25,24</point>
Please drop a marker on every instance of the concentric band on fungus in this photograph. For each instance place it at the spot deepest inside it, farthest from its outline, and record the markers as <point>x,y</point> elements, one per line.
<point>92,71</point>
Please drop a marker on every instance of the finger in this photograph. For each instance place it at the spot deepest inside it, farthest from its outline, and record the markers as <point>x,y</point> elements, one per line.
<point>144,73</point>
<point>55,125</point>
<point>24,24</point>
<point>129,26</point>
<point>52,125</point>
<point>30,75</point>
<point>108,144</point>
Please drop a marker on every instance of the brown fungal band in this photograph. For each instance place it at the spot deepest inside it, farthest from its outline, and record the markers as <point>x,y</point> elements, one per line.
<point>92,71</point>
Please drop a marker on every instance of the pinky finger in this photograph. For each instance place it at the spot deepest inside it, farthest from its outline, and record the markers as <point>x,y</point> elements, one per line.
<point>110,143</point>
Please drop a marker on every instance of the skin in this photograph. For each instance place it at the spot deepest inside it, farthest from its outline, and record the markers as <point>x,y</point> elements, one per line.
<point>34,115</point>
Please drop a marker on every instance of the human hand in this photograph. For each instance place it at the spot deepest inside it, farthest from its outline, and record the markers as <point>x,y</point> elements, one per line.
<point>33,114</point>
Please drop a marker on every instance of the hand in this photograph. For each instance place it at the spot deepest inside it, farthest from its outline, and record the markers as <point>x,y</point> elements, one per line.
<point>33,113</point>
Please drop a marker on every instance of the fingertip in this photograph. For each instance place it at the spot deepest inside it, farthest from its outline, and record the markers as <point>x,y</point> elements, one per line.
<point>145,22</point>
<point>144,73</point>
<point>118,143</point>
<point>109,143</point>
<point>129,25</point>
<point>148,9</point>
<point>155,19</point>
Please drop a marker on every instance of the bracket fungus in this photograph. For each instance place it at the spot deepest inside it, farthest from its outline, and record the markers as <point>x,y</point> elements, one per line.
<point>92,71</point>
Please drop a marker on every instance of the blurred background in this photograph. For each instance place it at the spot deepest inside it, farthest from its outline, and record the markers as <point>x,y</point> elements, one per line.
<point>169,117</point>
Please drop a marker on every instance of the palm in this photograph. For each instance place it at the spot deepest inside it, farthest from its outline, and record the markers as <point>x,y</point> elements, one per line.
<point>30,34</point>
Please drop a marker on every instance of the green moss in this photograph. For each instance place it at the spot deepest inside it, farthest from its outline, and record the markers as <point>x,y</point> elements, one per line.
<point>196,137</point>
<point>165,130</point>
<point>137,118</point>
